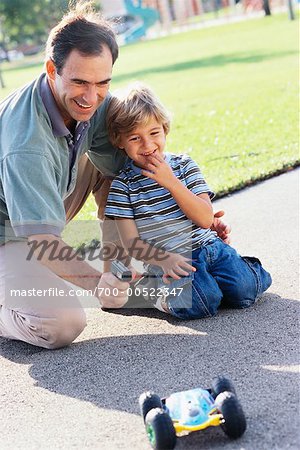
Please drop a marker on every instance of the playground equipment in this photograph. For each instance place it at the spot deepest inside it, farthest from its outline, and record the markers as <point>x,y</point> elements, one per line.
<point>131,20</point>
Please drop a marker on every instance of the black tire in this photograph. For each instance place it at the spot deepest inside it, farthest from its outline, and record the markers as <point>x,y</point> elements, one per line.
<point>148,401</point>
<point>221,384</point>
<point>160,429</point>
<point>234,418</point>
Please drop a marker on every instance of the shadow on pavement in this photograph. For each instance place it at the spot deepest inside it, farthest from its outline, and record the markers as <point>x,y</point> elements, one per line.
<point>256,347</point>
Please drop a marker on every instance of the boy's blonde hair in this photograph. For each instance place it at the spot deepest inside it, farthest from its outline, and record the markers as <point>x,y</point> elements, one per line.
<point>131,107</point>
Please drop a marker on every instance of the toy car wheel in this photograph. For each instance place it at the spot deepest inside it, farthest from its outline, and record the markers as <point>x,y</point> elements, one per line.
<point>148,401</point>
<point>160,429</point>
<point>221,384</point>
<point>234,419</point>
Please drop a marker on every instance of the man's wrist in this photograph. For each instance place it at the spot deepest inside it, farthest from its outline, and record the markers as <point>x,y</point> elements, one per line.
<point>95,282</point>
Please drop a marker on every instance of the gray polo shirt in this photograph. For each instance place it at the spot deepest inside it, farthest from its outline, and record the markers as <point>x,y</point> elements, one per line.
<point>39,160</point>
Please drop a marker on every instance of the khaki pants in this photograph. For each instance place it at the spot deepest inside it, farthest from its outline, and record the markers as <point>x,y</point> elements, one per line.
<point>46,321</point>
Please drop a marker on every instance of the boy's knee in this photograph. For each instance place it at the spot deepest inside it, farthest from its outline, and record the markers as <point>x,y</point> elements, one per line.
<point>64,329</point>
<point>263,279</point>
<point>241,295</point>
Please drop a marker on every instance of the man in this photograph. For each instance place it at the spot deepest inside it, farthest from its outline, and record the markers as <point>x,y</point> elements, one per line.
<point>53,140</point>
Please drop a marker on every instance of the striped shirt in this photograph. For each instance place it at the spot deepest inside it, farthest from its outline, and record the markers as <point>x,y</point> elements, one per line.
<point>158,218</point>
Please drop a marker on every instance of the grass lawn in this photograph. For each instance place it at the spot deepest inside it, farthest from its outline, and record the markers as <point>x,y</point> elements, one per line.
<point>233,92</point>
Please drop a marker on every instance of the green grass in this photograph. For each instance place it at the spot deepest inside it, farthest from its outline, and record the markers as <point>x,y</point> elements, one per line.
<point>233,92</point>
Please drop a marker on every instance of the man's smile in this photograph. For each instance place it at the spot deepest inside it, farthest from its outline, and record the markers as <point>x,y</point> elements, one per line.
<point>81,105</point>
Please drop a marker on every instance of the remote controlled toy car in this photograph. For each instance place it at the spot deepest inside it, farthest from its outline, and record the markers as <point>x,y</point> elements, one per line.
<point>193,410</point>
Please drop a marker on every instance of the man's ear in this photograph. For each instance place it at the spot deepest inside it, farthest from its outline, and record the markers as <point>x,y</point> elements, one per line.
<point>50,69</point>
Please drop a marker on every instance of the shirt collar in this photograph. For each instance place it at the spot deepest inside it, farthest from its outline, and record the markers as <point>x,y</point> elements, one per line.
<point>135,168</point>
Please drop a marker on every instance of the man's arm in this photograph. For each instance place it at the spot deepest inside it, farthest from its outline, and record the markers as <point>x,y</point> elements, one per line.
<point>61,259</point>
<point>222,230</point>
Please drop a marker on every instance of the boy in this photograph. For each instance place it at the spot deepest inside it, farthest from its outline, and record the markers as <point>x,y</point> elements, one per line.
<point>162,203</point>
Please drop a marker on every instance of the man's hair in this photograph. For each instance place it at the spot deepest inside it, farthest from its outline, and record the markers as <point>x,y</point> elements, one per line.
<point>82,29</point>
<point>131,107</point>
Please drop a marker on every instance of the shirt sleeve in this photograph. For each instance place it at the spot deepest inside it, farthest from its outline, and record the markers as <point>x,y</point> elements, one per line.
<point>118,202</point>
<point>32,196</point>
<point>108,159</point>
<point>194,179</point>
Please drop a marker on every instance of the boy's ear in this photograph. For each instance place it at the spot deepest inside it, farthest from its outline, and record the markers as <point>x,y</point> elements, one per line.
<point>118,143</point>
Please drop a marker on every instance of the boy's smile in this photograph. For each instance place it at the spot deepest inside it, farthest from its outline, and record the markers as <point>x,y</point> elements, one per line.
<point>144,141</point>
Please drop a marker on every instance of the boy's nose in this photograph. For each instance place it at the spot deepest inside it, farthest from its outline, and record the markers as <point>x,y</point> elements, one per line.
<point>148,145</point>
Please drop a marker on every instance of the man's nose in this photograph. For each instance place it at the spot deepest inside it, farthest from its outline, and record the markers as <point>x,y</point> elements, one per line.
<point>91,95</point>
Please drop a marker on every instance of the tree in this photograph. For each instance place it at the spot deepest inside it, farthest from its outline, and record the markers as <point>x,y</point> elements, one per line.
<point>29,20</point>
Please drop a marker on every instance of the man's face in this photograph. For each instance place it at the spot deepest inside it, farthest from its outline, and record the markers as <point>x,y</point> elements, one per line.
<point>82,84</point>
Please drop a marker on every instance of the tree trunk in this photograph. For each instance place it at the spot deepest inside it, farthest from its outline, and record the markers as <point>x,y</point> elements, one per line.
<point>2,85</point>
<point>291,10</point>
<point>266,7</point>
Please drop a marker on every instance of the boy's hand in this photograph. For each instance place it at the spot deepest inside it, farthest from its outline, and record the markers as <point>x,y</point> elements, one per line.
<point>160,171</point>
<point>176,266</point>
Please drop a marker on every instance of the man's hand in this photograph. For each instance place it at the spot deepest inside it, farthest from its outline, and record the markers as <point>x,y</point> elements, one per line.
<point>111,292</point>
<point>221,228</point>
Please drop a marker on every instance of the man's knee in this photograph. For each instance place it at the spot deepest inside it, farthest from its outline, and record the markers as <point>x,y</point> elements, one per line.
<point>64,329</point>
<point>45,330</point>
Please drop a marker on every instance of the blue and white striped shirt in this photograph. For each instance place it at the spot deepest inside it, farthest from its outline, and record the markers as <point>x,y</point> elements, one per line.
<point>158,218</point>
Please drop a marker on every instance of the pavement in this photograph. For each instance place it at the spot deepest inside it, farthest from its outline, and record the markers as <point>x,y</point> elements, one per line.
<point>85,396</point>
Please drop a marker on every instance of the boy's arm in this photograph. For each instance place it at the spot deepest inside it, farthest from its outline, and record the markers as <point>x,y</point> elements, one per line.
<point>173,264</point>
<point>197,208</point>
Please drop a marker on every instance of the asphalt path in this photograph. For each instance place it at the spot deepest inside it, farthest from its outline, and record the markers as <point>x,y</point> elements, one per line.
<point>85,396</point>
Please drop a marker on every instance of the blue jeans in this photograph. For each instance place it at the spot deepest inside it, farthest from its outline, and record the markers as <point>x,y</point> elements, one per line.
<point>222,277</point>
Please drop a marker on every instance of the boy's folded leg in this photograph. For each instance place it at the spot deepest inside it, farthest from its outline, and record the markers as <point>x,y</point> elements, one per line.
<point>263,278</point>
<point>241,279</point>
<point>186,298</point>
<point>194,302</point>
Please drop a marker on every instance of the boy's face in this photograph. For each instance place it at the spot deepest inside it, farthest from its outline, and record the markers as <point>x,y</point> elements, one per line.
<point>144,140</point>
